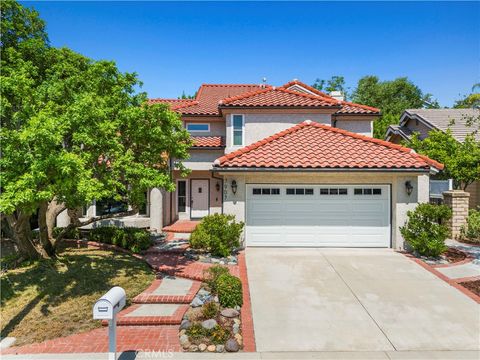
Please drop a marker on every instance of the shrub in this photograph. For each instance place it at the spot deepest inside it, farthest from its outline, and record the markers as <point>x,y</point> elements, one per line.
<point>425,230</point>
<point>219,335</point>
<point>218,234</point>
<point>229,289</point>
<point>73,233</point>
<point>471,230</point>
<point>196,331</point>
<point>212,274</point>
<point>209,310</point>
<point>133,239</point>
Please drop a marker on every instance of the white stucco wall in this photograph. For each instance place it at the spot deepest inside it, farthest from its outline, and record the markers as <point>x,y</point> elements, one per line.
<point>261,125</point>
<point>363,127</point>
<point>401,202</point>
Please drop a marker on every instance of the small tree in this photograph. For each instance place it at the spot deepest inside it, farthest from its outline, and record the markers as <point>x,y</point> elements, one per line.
<point>461,159</point>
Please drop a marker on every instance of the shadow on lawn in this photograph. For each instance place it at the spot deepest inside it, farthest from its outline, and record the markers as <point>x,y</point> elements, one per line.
<point>76,272</point>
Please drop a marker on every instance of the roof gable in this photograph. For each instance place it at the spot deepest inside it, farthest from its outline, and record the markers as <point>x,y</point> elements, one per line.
<point>311,145</point>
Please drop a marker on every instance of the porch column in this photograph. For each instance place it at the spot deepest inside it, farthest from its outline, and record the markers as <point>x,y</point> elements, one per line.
<point>156,210</point>
<point>457,200</point>
<point>63,220</point>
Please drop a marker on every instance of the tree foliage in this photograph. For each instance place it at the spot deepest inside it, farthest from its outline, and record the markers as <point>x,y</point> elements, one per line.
<point>74,130</point>
<point>335,83</point>
<point>461,159</point>
<point>392,97</point>
<point>469,101</point>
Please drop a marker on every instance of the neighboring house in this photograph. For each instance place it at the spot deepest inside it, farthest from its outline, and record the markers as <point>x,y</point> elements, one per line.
<point>422,121</point>
<point>298,166</point>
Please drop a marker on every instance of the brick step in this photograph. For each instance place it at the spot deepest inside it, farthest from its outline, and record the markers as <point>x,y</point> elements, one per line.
<point>151,314</point>
<point>169,291</point>
<point>181,226</point>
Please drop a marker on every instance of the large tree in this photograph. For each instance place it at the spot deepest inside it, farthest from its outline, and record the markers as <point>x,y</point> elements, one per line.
<point>392,97</point>
<point>73,130</point>
<point>469,101</point>
<point>335,83</point>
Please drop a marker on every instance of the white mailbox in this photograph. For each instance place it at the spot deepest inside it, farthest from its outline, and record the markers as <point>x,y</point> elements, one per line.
<point>109,304</point>
<point>106,308</point>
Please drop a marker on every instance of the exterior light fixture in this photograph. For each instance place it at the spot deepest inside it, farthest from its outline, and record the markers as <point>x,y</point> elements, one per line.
<point>217,186</point>
<point>408,187</point>
<point>234,186</point>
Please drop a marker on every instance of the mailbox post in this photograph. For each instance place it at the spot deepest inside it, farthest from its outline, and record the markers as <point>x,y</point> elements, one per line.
<point>106,308</point>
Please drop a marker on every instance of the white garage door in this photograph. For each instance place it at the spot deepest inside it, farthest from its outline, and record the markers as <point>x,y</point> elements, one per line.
<point>318,215</point>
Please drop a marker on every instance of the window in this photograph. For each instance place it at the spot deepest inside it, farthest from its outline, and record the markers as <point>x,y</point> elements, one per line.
<point>195,127</point>
<point>334,191</point>
<point>182,196</point>
<point>110,206</point>
<point>237,122</point>
<point>368,191</point>
<point>300,191</point>
<point>265,191</point>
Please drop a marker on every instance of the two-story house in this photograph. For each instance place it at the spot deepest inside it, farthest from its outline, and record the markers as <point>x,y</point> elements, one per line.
<point>298,166</point>
<point>422,121</point>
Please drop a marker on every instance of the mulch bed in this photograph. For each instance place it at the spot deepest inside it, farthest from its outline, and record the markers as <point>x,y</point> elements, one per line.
<point>453,255</point>
<point>473,286</point>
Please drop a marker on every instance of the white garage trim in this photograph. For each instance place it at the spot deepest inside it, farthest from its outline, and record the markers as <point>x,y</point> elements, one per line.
<point>318,215</point>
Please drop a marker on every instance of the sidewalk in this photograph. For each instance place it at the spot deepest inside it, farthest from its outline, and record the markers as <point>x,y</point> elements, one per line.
<point>363,355</point>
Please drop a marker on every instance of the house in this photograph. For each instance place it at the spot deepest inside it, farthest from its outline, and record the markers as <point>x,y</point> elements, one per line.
<point>298,166</point>
<point>422,121</point>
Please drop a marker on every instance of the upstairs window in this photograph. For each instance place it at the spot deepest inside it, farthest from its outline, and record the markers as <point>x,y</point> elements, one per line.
<point>237,122</point>
<point>197,127</point>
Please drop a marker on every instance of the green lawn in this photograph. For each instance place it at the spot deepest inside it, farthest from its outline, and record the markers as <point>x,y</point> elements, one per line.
<point>54,298</point>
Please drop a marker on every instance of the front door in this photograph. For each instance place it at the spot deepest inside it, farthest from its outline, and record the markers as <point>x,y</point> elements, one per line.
<point>199,198</point>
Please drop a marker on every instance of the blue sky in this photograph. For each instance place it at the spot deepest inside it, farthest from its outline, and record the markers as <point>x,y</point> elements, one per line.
<point>176,46</point>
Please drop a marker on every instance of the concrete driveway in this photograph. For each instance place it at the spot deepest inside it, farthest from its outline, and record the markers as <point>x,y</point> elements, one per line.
<point>354,300</point>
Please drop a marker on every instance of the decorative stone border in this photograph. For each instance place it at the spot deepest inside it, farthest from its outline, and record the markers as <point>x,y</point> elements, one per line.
<point>469,258</point>
<point>449,281</point>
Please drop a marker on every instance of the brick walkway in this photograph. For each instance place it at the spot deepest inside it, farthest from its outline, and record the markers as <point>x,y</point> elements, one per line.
<point>131,338</point>
<point>181,226</point>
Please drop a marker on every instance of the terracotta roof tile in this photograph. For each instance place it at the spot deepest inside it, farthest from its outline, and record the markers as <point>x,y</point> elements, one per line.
<point>317,146</point>
<point>208,141</point>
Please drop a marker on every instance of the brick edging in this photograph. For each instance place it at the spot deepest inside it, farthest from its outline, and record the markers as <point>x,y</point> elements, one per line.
<point>467,279</point>
<point>246,314</point>
<point>449,281</point>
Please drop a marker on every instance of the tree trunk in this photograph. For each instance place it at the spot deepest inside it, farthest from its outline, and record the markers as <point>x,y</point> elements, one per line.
<point>45,239</point>
<point>20,224</point>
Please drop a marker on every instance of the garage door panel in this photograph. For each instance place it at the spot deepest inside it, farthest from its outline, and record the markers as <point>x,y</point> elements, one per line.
<point>319,220</point>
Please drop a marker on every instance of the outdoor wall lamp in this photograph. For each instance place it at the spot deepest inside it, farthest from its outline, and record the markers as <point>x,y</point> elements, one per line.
<point>234,186</point>
<point>408,187</point>
<point>217,186</point>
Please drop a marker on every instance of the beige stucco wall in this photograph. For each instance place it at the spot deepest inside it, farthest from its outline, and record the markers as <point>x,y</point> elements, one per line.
<point>419,127</point>
<point>261,125</point>
<point>202,159</point>
<point>364,127</point>
<point>401,202</point>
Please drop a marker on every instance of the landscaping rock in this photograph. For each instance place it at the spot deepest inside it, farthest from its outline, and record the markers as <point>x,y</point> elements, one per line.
<point>202,347</point>
<point>185,324</point>
<point>229,313</point>
<point>196,302</point>
<point>203,292</point>
<point>211,348</point>
<point>183,332</point>
<point>232,345</point>
<point>220,348</point>
<point>231,263</point>
<point>209,324</point>
<point>184,340</point>
<point>216,299</point>
<point>215,261</point>
<point>236,321</point>
<point>237,308</point>
<point>239,338</point>
<point>236,328</point>
<point>193,348</point>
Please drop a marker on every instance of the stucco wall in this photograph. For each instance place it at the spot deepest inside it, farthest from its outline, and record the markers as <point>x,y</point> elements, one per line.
<point>364,127</point>
<point>202,159</point>
<point>420,128</point>
<point>261,125</point>
<point>401,202</point>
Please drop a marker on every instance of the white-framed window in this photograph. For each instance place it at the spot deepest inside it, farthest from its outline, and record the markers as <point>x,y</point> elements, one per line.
<point>238,130</point>
<point>198,127</point>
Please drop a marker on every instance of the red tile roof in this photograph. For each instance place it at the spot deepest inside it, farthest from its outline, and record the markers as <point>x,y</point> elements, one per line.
<point>208,141</point>
<point>272,96</point>
<point>209,97</point>
<point>317,146</point>
<point>347,107</point>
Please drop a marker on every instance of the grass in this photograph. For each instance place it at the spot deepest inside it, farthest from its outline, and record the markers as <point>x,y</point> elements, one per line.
<point>53,298</point>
